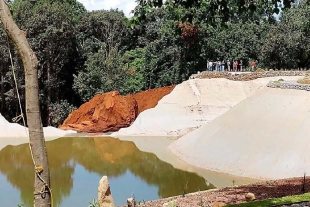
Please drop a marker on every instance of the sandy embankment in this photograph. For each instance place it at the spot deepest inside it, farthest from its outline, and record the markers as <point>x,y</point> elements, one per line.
<point>265,136</point>
<point>192,104</point>
<point>13,134</point>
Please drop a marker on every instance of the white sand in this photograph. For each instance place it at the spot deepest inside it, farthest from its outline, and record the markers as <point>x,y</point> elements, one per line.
<point>265,136</point>
<point>192,104</point>
<point>13,130</point>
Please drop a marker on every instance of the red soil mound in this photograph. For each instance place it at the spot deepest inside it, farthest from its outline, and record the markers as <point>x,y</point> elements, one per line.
<point>110,111</point>
<point>149,99</point>
<point>104,112</point>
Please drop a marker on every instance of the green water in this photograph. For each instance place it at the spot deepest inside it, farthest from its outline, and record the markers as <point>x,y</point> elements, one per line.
<point>77,164</point>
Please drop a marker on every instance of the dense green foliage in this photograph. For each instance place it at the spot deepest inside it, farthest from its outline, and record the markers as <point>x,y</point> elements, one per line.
<point>84,53</point>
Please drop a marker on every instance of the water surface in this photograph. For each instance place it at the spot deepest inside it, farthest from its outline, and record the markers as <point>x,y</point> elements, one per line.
<point>77,164</point>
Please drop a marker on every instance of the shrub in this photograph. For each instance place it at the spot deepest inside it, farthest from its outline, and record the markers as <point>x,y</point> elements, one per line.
<point>260,70</point>
<point>304,81</point>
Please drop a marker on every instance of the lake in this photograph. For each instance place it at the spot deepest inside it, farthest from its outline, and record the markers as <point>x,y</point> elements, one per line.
<point>77,164</point>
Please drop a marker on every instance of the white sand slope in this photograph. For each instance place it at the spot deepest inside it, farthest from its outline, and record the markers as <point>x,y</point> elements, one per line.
<point>10,130</point>
<point>265,136</point>
<point>192,104</point>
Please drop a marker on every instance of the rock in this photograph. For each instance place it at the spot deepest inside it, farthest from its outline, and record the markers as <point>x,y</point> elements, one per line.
<point>250,197</point>
<point>219,204</point>
<point>105,198</point>
<point>131,202</point>
<point>250,76</point>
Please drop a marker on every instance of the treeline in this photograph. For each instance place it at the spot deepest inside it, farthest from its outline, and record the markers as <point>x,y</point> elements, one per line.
<point>84,53</point>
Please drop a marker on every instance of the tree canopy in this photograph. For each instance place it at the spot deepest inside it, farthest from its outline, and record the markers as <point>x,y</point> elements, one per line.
<point>83,53</point>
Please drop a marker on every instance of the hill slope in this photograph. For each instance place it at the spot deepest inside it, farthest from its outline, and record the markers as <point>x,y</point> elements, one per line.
<point>265,136</point>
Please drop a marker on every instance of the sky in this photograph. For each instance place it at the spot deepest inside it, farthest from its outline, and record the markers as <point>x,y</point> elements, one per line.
<point>126,5</point>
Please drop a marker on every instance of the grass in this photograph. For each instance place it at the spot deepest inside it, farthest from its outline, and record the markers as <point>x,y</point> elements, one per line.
<point>304,81</point>
<point>275,201</point>
<point>260,70</point>
<point>95,203</point>
<point>277,83</point>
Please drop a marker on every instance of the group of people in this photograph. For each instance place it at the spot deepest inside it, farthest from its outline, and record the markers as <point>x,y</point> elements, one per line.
<point>231,66</point>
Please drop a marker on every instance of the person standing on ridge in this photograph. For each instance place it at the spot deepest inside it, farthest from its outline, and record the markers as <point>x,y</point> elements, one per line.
<point>210,65</point>
<point>235,66</point>
<point>228,65</point>
<point>218,66</point>
<point>253,65</point>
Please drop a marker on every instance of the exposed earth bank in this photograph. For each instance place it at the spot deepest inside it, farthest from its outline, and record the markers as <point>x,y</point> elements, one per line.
<point>234,195</point>
<point>111,111</point>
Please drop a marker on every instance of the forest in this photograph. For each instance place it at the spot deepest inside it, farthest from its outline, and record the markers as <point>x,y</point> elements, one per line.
<point>83,53</point>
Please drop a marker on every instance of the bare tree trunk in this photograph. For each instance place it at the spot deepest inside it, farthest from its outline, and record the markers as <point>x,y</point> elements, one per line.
<point>49,92</point>
<point>37,142</point>
<point>2,92</point>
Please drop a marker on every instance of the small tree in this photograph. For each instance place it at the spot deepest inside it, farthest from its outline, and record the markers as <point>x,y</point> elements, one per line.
<point>42,195</point>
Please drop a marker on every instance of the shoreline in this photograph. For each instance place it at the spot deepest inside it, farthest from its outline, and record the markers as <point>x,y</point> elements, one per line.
<point>235,194</point>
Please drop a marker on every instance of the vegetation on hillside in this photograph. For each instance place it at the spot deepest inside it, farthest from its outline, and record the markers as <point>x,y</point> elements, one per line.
<point>276,201</point>
<point>83,53</point>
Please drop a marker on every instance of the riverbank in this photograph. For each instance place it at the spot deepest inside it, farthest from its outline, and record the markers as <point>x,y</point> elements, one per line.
<point>235,195</point>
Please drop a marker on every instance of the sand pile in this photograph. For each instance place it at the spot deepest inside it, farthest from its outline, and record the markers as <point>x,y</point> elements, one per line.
<point>8,130</point>
<point>111,111</point>
<point>265,136</point>
<point>192,104</point>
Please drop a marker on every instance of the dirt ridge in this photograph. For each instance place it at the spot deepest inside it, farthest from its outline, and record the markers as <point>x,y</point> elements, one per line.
<point>236,194</point>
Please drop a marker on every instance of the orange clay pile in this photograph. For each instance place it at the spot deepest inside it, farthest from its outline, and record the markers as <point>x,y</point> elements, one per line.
<point>111,111</point>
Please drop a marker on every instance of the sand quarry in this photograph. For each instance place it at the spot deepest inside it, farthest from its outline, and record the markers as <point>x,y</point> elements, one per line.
<point>242,128</point>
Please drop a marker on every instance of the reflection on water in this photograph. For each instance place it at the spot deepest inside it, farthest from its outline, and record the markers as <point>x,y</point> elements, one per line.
<point>126,166</point>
